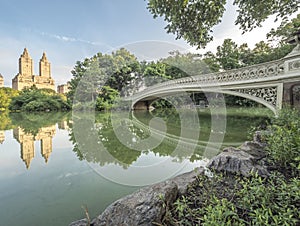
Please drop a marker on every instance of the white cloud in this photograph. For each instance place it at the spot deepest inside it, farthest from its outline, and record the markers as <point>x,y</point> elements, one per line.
<point>72,39</point>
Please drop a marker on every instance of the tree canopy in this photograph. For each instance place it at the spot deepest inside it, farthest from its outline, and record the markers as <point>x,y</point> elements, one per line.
<point>108,76</point>
<point>193,20</point>
<point>33,99</point>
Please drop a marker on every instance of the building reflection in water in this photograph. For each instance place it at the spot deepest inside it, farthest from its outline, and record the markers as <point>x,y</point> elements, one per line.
<point>26,140</point>
<point>2,136</point>
<point>64,125</point>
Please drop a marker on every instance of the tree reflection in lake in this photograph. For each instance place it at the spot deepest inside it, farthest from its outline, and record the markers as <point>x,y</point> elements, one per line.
<point>100,144</point>
<point>28,128</point>
<point>96,140</point>
<point>43,194</point>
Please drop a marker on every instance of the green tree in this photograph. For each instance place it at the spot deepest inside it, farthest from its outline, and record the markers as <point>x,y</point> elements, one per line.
<point>33,99</point>
<point>228,55</point>
<point>106,98</point>
<point>119,70</point>
<point>155,72</point>
<point>6,94</point>
<point>262,52</point>
<point>193,20</point>
<point>123,71</point>
<point>89,76</point>
<point>246,55</point>
<point>182,65</point>
<point>77,73</point>
<point>211,61</point>
<point>284,31</point>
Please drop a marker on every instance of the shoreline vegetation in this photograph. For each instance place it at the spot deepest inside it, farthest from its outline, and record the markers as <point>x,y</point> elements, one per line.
<point>233,199</point>
<point>227,196</point>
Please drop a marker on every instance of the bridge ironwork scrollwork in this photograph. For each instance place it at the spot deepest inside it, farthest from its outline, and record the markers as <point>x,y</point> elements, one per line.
<point>263,83</point>
<point>269,94</point>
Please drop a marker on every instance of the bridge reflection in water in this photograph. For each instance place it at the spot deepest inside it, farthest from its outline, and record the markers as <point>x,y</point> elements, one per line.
<point>30,129</point>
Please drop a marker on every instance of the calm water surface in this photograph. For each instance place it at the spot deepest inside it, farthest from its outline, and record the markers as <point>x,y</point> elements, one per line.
<point>50,167</point>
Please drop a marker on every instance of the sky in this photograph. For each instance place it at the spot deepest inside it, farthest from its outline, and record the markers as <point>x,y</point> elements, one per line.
<point>71,30</point>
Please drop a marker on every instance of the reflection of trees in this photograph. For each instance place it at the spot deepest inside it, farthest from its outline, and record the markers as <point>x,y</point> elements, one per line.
<point>29,127</point>
<point>5,120</point>
<point>26,140</point>
<point>32,122</point>
<point>96,141</point>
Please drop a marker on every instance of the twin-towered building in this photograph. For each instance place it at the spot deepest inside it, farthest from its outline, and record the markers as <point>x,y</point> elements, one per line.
<point>26,78</point>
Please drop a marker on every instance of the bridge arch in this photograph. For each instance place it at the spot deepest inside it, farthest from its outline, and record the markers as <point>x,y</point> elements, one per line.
<point>145,102</point>
<point>268,83</point>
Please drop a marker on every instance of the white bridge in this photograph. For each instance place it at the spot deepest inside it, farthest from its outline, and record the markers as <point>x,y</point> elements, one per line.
<point>273,84</point>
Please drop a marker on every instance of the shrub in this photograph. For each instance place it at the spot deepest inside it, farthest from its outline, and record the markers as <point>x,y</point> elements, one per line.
<point>34,99</point>
<point>284,140</point>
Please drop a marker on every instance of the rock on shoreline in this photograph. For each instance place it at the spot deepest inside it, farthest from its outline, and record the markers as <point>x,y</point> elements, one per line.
<point>145,206</point>
<point>148,205</point>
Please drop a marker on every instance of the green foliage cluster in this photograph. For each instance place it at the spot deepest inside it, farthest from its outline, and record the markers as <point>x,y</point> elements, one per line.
<point>33,99</point>
<point>285,30</point>
<point>106,98</point>
<point>6,94</point>
<point>284,141</point>
<point>193,20</point>
<point>227,199</point>
<point>231,56</point>
<point>5,120</point>
<point>233,200</point>
<point>116,70</point>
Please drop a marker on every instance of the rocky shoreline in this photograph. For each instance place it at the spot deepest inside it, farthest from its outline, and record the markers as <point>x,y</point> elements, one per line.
<point>147,206</point>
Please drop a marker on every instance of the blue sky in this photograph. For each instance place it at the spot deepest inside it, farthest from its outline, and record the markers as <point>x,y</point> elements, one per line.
<point>70,30</point>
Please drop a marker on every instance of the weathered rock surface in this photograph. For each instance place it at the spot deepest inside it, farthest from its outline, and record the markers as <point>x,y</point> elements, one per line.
<point>148,205</point>
<point>145,206</point>
<point>184,180</point>
<point>235,160</point>
<point>255,149</point>
<point>141,208</point>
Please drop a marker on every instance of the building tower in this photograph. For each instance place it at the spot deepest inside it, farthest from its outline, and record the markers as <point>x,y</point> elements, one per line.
<point>26,141</point>
<point>2,136</point>
<point>46,148</point>
<point>45,67</point>
<point>1,81</point>
<point>25,64</point>
<point>25,78</point>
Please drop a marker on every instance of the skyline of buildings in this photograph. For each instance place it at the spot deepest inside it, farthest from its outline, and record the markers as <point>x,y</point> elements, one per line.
<point>27,78</point>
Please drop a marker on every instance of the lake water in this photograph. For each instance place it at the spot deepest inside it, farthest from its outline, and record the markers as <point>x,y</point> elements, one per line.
<point>54,165</point>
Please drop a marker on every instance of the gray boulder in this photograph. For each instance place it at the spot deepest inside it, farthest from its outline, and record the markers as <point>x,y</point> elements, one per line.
<point>145,206</point>
<point>255,149</point>
<point>184,180</point>
<point>234,160</point>
<point>140,208</point>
